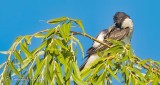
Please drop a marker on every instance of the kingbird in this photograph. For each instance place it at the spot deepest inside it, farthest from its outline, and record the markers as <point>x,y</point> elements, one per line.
<point>121,30</point>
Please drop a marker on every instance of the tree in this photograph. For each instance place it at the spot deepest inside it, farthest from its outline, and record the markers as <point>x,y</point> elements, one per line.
<point>54,60</point>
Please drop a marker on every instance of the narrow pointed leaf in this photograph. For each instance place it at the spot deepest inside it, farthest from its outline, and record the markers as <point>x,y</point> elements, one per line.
<point>51,31</point>
<point>101,78</point>
<point>80,45</point>
<point>79,22</point>
<point>112,73</point>
<point>57,20</point>
<point>13,68</point>
<point>59,72</point>
<point>40,47</point>
<point>76,69</point>
<point>18,56</point>
<point>78,80</point>
<point>26,51</point>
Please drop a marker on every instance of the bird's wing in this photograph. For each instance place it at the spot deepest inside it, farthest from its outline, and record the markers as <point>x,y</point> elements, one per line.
<point>118,34</point>
<point>112,34</point>
<point>101,37</point>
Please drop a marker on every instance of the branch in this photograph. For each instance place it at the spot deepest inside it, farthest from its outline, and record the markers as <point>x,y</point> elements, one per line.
<point>147,66</point>
<point>92,38</point>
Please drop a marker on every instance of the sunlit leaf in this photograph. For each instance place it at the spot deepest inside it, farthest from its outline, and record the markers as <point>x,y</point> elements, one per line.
<point>155,81</point>
<point>133,80</point>
<point>78,80</point>
<point>18,56</point>
<point>85,72</point>
<point>39,68</point>
<point>79,22</point>
<point>76,69</point>
<point>26,51</point>
<point>101,78</point>
<point>80,45</point>
<point>59,72</point>
<point>57,20</point>
<point>28,39</point>
<point>51,31</point>
<point>16,42</point>
<point>68,72</point>
<point>59,42</point>
<point>112,73</point>
<point>40,47</point>
<point>13,68</point>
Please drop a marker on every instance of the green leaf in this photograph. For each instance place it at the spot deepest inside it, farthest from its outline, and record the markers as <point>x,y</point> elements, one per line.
<point>98,68</point>
<point>28,39</point>
<point>112,73</point>
<point>65,30</point>
<point>51,31</point>
<point>80,45</point>
<point>125,58</point>
<point>57,20</point>
<point>138,73</point>
<point>16,42</point>
<point>59,42</point>
<point>76,69</point>
<point>148,74</point>
<point>60,57</point>
<point>133,80</point>
<point>78,80</point>
<point>144,61</point>
<point>126,74</point>
<point>68,72</point>
<point>155,81</point>
<point>101,78</point>
<point>40,47</point>
<point>25,63</point>
<point>85,72</point>
<point>115,42</point>
<point>59,72</point>
<point>68,27</point>
<point>39,35</point>
<point>114,50</point>
<point>39,68</point>
<point>18,56</point>
<point>13,68</point>
<point>79,23</point>
<point>26,51</point>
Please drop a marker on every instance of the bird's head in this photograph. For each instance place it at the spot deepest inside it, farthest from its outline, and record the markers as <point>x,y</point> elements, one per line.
<point>122,20</point>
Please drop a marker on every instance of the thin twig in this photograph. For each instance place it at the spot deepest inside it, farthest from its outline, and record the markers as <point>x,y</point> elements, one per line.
<point>147,66</point>
<point>92,38</point>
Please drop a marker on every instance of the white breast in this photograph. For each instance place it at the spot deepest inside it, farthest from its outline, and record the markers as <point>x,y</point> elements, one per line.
<point>100,38</point>
<point>127,23</point>
<point>91,59</point>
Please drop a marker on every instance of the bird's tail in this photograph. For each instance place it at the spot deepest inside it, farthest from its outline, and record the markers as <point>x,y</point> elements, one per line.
<point>90,59</point>
<point>82,66</point>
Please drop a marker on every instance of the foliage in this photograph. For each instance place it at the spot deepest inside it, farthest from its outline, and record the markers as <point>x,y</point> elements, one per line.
<point>54,60</point>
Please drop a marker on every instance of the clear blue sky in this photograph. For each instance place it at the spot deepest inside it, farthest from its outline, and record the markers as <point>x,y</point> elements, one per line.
<point>20,17</point>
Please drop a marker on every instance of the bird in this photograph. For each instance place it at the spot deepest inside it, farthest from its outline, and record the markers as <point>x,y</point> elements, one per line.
<point>121,30</point>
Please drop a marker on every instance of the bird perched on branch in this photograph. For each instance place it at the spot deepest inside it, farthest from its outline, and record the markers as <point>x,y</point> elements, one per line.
<point>121,30</point>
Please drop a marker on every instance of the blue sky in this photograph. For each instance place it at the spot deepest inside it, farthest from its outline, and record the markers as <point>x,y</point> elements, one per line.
<point>21,17</point>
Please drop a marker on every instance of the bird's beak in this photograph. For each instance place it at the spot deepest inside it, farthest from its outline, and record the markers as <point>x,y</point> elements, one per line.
<point>118,25</point>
